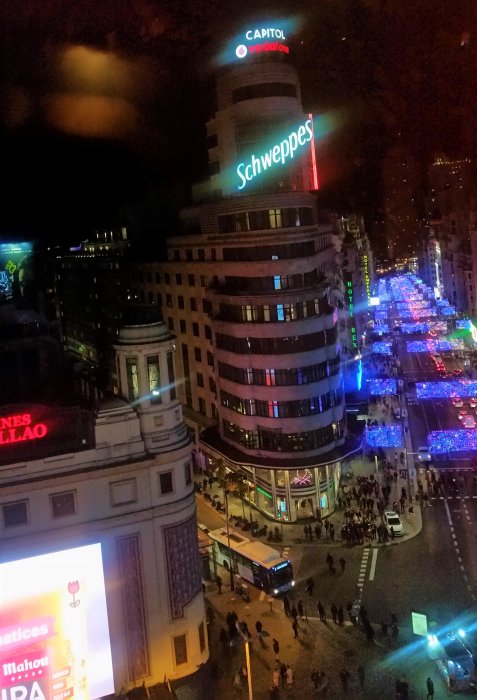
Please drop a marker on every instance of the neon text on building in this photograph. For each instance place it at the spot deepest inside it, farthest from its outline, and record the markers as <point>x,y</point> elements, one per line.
<point>349,295</point>
<point>367,281</point>
<point>279,154</point>
<point>264,33</point>
<point>20,427</point>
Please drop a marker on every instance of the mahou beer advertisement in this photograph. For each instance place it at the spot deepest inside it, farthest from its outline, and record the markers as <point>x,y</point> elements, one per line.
<point>54,636</point>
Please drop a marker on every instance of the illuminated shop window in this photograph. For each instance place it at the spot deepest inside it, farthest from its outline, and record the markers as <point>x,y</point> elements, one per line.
<point>172,380</point>
<point>275,218</point>
<point>15,514</point>
<point>132,378</point>
<point>154,379</point>
<point>63,504</point>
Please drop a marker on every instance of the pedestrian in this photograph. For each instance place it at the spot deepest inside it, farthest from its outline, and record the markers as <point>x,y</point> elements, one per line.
<point>397,687</point>
<point>224,640</point>
<point>283,675</point>
<point>244,675</point>
<point>301,609</point>
<point>344,676</point>
<point>286,606</point>
<point>259,627</point>
<point>321,611</point>
<point>237,680</point>
<point>294,613</point>
<point>276,648</point>
<point>317,531</point>
<point>327,526</point>
<point>275,677</point>
<point>340,616</point>
<point>295,628</point>
<point>342,564</point>
<point>361,675</point>
<point>430,687</point>
<point>392,533</point>
<point>315,678</point>
<point>332,532</point>
<point>334,612</point>
<point>404,690</point>
<point>330,561</point>
<point>218,581</point>
<point>305,531</point>
<point>310,584</point>
<point>289,677</point>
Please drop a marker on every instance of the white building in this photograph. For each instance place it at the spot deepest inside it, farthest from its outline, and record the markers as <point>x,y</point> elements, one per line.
<point>120,479</point>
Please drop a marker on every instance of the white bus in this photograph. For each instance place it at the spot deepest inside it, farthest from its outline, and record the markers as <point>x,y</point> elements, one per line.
<point>256,562</point>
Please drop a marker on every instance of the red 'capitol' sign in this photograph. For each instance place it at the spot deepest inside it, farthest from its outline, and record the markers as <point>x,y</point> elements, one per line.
<point>20,427</point>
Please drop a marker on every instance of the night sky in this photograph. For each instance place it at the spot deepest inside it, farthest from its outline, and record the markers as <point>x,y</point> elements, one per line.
<point>105,103</point>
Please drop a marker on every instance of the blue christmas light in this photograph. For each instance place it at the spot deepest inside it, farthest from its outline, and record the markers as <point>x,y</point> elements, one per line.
<point>381,348</point>
<point>382,387</point>
<point>434,345</point>
<point>384,436</point>
<point>461,388</point>
<point>463,324</point>
<point>442,441</point>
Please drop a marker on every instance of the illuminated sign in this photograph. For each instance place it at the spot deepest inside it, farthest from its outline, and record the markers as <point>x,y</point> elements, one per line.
<point>20,427</point>
<point>367,280</point>
<point>279,154</point>
<point>54,637</point>
<point>350,299</point>
<point>264,33</point>
<point>13,267</point>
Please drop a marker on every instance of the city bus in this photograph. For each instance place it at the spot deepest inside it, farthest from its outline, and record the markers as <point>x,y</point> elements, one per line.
<point>256,562</point>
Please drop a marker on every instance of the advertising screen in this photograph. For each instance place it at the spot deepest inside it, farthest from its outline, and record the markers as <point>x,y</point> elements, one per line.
<point>54,635</point>
<point>14,260</point>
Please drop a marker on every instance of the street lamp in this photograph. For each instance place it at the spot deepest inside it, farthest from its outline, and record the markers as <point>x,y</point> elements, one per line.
<point>247,641</point>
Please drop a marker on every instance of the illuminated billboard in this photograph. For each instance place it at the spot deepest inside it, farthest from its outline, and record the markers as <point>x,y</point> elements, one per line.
<point>14,261</point>
<point>54,634</point>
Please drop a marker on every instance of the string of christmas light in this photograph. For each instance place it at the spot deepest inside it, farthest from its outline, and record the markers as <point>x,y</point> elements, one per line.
<point>382,387</point>
<point>384,436</point>
<point>431,345</point>
<point>458,388</point>
<point>444,441</point>
<point>382,348</point>
<point>463,324</point>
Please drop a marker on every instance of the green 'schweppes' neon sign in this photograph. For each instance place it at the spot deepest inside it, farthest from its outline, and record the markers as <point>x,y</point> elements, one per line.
<point>279,154</point>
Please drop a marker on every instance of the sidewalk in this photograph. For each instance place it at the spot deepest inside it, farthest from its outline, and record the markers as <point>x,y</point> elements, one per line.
<point>293,533</point>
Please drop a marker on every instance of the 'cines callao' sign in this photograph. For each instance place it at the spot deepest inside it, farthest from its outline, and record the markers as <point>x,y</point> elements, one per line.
<point>279,154</point>
<point>20,427</point>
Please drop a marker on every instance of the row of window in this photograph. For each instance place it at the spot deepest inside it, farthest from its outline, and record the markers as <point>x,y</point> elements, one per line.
<point>259,90</point>
<point>277,346</point>
<point>272,313</point>
<point>123,492</point>
<point>195,328</point>
<point>206,305</point>
<point>276,441</point>
<point>283,251</point>
<point>282,409</point>
<point>290,217</point>
<point>180,645</point>
<point>271,284</point>
<point>280,377</point>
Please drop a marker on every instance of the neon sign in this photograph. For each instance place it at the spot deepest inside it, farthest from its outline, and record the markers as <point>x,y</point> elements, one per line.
<point>367,281</point>
<point>276,155</point>
<point>349,296</point>
<point>265,33</point>
<point>19,427</point>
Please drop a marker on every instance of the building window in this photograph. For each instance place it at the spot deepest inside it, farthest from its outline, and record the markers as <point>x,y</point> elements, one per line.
<point>208,332</point>
<point>203,281</point>
<point>63,504</point>
<point>193,304</point>
<point>213,254</point>
<point>201,254</point>
<point>178,278</point>
<point>154,379</point>
<point>168,300</point>
<point>15,513</point>
<point>201,636</point>
<point>195,329</point>
<point>159,299</point>
<point>167,278</point>
<point>210,359</point>
<point>189,256</point>
<point>202,408</point>
<point>172,380</point>
<point>165,483</point>
<point>212,385</point>
<point>206,306</point>
<point>158,278</point>
<point>170,323</point>
<point>200,379</point>
<point>177,255</point>
<point>198,354</point>
<point>132,378</point>
<point>191,280</point>
<point>188,473</point>
<point>182,324</point>
<point>180,302</point>
<point>180,649</point>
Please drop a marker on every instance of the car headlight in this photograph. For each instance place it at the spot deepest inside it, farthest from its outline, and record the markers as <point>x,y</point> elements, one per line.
<point>275,591</point>
<point>293,583</point>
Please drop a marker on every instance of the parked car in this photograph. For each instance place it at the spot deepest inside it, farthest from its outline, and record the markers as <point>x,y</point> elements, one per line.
<point>392,520</point>
<point>468,421</point>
